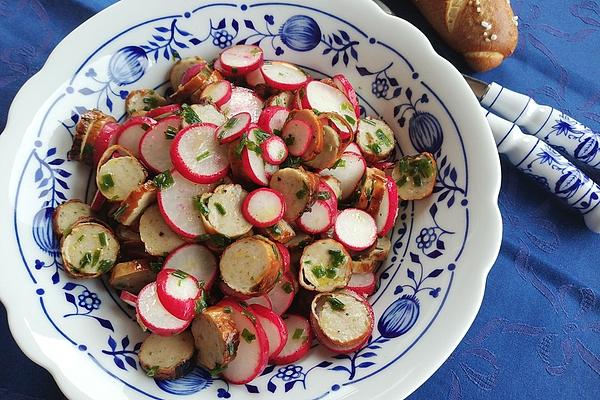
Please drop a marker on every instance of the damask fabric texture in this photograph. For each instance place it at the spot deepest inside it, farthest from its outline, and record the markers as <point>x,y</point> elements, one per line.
<point>538,332</point>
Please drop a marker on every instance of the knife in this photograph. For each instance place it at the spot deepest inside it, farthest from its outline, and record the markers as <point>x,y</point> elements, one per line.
<point>546,123</point>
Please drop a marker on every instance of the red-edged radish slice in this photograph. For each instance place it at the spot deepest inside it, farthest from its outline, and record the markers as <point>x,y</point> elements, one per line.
<point>128,298</point>
<point>363,284</point>
<point>327,194</point>
<point>253,163</point>
<point>132,131</point>
<point>298,136</point>
<point>355,229</point>
<point>349,170</point>
<point>177,207</point>
<point>164,111</point>
<point>283,76</point>
<point>196,260</point>
<point>286,260</point>
<point>274,327</point>
<point>282,294</point>
<point>325,98</point>
<point>353,148</point>
<point>260,300</point>
<point>298,341</point>
<point>191,72</point>
<point>218,92</point>
<point>178,292</point>
<point>263,207</point>
<point>253,351</point>
<point>345,86</point>
<point>384,165</point>
<point>153,316</point>
<point>243,99</point>
<point>233,128</point>
<point>241,58</point>
<point>219,68</point>
<point>97,202</point>
<point>198,156</point>
<point>274,150</point>
<point>388,210</point>
<point>272,119</point>
<point>270,170</point>
<point>255,78</point>
<point>108,136</point>
<point>156,143</point>
<point>318,220</point>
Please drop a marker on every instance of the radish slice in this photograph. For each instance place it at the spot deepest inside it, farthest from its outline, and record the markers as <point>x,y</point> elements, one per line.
<point>327,194</point>
<point>263,207</point>
<point>197,155</point>
<point>355,229</point>
<point>274,327</point>
<point>156,144</point>
<point>153,315</point>
<point>353,148</point>
<point>260,300</point>
<point>164,111</point>
<point>324,98</point>
<point>285,257</point>
<point>108,136</point>
<point>349,170</point>
<point>298,135</point>
<point>195,260</point>
<point>97,202</point>
<point>270,170</point>
<point>128,298</point>
<point>272,119</point>
<point>253,163</point>
<point>253,350</point>
<point>298,341</point>
<point>274,150</point>
<point>191,72</point>
<point>178,292</point>
<point>255,78</point>
<point>283,76</point>
<point>243,99</point>
<point>218,92</point>
<point>318,220</point>
<point>234,128</point>
<point>241,58</point>
<point>282,294</point>
<point>132,131</point>
<point>177,207</point>
<point>345,86</point>
<point>388,210</point>
<point>363,284</point>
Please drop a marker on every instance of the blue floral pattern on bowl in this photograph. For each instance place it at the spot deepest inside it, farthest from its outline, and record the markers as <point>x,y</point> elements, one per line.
<point>426,251</point>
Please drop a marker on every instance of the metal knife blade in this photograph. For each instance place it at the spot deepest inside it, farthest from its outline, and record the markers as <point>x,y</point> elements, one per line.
<point>480,88</point>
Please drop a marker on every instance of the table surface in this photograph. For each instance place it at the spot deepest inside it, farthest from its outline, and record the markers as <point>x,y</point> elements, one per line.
<point>537,334</point>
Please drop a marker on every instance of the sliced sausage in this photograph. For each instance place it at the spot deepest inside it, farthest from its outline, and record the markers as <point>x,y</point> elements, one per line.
<point>216,337</point>
<point>415,176</point>
<point>137,202</point>
<point>66,214</point>
<point>89,125</point>
<point>375,139</point>
<point>325,266</point>
<point>329,154</point>
<point>298,188</point>
<point>310,118</point>
<point>158,238</point>
<point>221,211</point>
<point>132,275</point>
<point>368,260</point>
<point>140,101</point>
<point>120,176</point>
<point>167,357</point>
<point>281,232</point>
<point>180,67</point>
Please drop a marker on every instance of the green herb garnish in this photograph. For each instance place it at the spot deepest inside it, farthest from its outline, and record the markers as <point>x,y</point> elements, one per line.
<point>220,241</point>
<point>260,135</point>
<point>151,102</point>
<point>300,194</point>
<point>106,182</point>
<point>80,238</point>
<point>275,230</point>
<point>318,271</point>
<point>145,126</point>
<point>203,155</point>
<point>368,121</point>
<point>152,371</point>
<point>323,196</point>
<point>290,140</point>
<point>217,369</point>
<point>298,334</point>
<point>317,112</point>
<point>227,310</point>
<point>164,180</point>
<point>248,337</point>
<point>179,274</point>
<point>102,239</point>
<point>350,120</point>
<point>119,211</point>
<point>231,348</point>
<point>85,260</point>
<point>156,265</point>
<point>201,303</point>
<point>340,163</point>
<point>189,115</point>
<point>287,287</point>
<point>220,208</point>
<point>383,137</point>
<point>96,257</point>
<point>201,205</point>
<point>170,132</point>
<point>291,162</point>
<point>336,304</point>
<point>375,148</point>
<point>105,265</point>
<point>277,132</point>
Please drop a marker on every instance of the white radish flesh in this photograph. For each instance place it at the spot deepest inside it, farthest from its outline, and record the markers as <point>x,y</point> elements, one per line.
<point>272,119</point>
<point>156,143</point>
<point>283,75</point>
<point>218,92</point>
<point>241,58</point>
<point>345,86</point>
<point>253,163</point>
<point>324,98</point>
<point>206,113</point>
<point>349,170</point>
<point>195,260</point>
<point>164,111</point>
<point>260,300</point>
<point>355,229</point>
<point>298,136</point>
<point>233,128</point>
<point>388,209</point>
<point>274,150</point>
<point>353,148</point>
<point>282,294</point>
<point>198,156</point>
<point>241,100</point>
<point>363,284</point>
<point>153,315</point>
<point>128,298</point>
<point>178,292</point>
<point>132,131</point>
<point>263,207</point>
<point>298,340</point>
<point>274,327</point>
<point>177,205</point>
<point>318,220</point>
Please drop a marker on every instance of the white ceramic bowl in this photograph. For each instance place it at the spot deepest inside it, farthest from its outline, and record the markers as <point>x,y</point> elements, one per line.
<point>430,288</point>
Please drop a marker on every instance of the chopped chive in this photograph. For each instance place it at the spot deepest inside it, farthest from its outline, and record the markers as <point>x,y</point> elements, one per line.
<point>248,314</point>
<point>339,163</point>
<point>290,140</point>
<point>170,132</point>
<point>230,123</point>
<point>145,126</point>
<point>119,211</point>
<point>318,271</point>
<point>323,196</point>
<point>164,180</point>
<point>331,273</point>
<point>375,148</point>
<point>350,120</point>
<point>217,369</point>
<point>260,135</point>
<point>203,155</point>
<point>80,238</point>
<point>189,115</point>
<point>383,137</point>
<point>287,287</point>
<point>368,121</point>
<point>317,112</point>
<point>248,337</point>
<point>85,260</point>
<point>231,348</point>
<point>220,208</point>
<point>201,303</point>
<point>300,194</point>
<point>336,304</point>
<point>102,239</point>
<point>346,106</point>
<point>96,257</point>
<point>105,265</point>
<point>201,205</point>
<point>291,162</point>
<point>179,274</point>
<point>298,334</point>
<point>277,132</point>
<point>152,102</point>
<point>227,310</point>
<point>152,371</point>
<point>156,265</point>
<point>106,181</point>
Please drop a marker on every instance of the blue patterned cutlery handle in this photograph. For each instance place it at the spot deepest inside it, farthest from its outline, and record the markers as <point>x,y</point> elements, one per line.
<point>546,166</point>
<point>548,124</point>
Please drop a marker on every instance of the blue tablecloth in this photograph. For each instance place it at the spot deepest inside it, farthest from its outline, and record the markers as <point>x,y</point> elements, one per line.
<point>538,332</point>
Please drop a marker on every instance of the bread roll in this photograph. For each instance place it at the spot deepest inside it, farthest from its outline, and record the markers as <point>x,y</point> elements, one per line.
<point>483,31</point>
